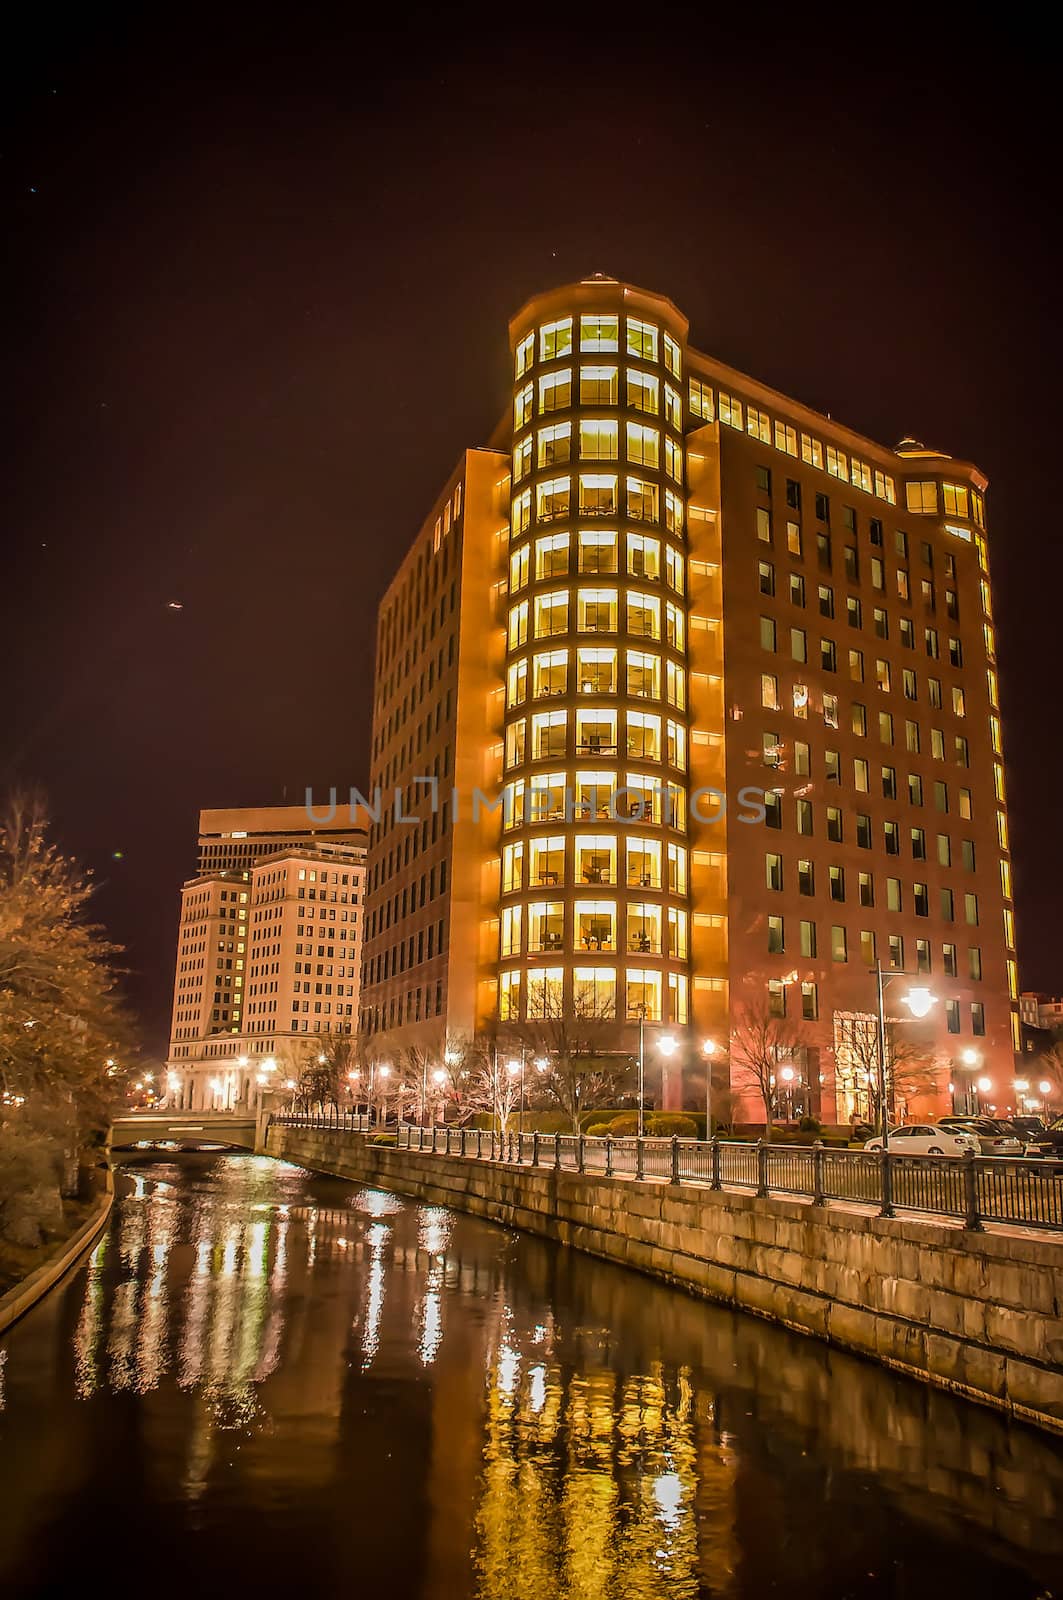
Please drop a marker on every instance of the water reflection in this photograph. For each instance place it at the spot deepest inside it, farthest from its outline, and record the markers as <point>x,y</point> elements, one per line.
<point>298,1382</point>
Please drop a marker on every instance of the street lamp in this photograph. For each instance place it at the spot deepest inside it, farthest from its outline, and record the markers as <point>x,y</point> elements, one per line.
<point>1046,1089</point>
<point>385,1073</point>
<point>513,1068</point>
<point>708,1050</point>
<point>918,1000</point>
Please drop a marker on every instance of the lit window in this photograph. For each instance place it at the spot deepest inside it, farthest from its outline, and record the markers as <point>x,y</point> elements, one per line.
<point>677,869</point>
<point>599,333</point>
<point>673,459</point>
<point>552,499</point>
<point>551,556</point>
<point>599,440</point>
<point>701,400</point>
<point>955,499</point>
<point>643,615</point>
<point>522,456</point>
<point>595,858</point>
<point>595,924</point>
<point>786,438</point>
<point>643,555</point>
<point>509,996</point>
<point>643,391</point>
<point>758,423</point>
<point>551,614</point>
<point>555,339</point>
<point>921,498</point>
<point>861,475</point>
<point>597,668</point>
<point>643,500</point>
<point>509,941</point>
<point>641,339</point>
<point>595,732</point>
<point>643,444</point>
<point>546,926</point>
<point>643,994</point>
<point>643,736</point>
<point>811,451</point>
<point>517,683</point>
<point>597,610</point>
<point>520,512</point>
<point>594,992</point>
<point>518,568</point>
<point>672,356</point>
<point>597,551</point>
<point>678,997</point>
<point>837,463</point>
<point>518,625</point>
<point>547,860</point>
<point>549,674</point>
<point>673,512</point>
<point>555,444</point>
<point>555,391</point>
<point>643,675</point>
<point>546,987</point>
<point>597,494</point>
<point>730,410</point>
<point>515,733</point>
<point>524,354</point>
<point>512,867</point>
<point>522,406</point>
<point>673,566</point>
<point>597,386</point>
<point>673,408</point>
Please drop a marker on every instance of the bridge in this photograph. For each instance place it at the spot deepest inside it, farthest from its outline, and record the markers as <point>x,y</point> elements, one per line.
<point>189,1130</point>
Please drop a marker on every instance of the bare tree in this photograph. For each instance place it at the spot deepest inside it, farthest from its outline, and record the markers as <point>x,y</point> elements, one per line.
<point>912,1070</point>
<point>583,1071</point>
<point>761,1045</point>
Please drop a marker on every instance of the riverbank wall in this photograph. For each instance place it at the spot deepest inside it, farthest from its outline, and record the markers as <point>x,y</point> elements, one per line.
<point>978,1314</point>
<point>25,1295</point>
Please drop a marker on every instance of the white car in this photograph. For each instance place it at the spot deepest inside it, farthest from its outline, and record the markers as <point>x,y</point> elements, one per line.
<point>927,1139</point>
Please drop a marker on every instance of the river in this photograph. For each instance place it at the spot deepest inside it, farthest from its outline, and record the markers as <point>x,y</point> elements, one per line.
<point>270,1382</point>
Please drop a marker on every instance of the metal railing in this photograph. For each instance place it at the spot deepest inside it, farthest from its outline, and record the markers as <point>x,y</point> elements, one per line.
<point>328,1117</point>
<point>971,1189</point>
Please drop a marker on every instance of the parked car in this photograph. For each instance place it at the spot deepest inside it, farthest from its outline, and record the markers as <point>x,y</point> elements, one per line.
<point>1041,1140</point>
<point>927,1139</point>
<point>994,1137</point>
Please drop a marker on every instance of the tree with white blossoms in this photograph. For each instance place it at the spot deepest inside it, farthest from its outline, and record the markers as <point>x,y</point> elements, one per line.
<point>64,1033</point>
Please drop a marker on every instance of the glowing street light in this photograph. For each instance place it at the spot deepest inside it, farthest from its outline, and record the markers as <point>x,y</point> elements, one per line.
<point>919,1000</point>
<point>708,1050</point>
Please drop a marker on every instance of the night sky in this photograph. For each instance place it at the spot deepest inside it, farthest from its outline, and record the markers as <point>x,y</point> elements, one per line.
<point>263,278</point>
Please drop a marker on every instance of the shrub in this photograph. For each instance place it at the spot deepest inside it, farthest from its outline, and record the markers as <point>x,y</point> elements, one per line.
<point>810,1124</point>
<point>382,1138</point>
<point>624,1126</point>
<point>669,1123</point>
<point>598,1130</point>
<point>31,1166</point>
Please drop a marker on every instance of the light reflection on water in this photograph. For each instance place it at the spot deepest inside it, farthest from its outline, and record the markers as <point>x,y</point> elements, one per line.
<point>289,1381</point>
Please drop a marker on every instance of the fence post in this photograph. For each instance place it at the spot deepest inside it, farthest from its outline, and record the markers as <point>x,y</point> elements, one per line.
<point>557,1150</point>
<point>579,1152</point>
<point>640,1159</point>
<point>972,1218</point>
<point>535,1147</point>
<point>817,1172</point>
<point>762,1169</point>
<point>716,1182</point>
<point>886,1179</point>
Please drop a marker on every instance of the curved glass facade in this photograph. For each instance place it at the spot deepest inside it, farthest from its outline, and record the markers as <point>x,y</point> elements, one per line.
<point>595,914</point>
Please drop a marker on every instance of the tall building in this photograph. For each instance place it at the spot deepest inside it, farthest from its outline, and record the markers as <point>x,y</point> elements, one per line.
<point>269,950</point>
<point>732,667</point>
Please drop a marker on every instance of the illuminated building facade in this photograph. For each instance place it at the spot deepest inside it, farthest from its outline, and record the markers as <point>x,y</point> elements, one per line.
<point>269,952</point>
<point>731,668</point>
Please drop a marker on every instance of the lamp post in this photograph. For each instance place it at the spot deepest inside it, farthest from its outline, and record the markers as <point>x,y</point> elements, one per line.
<point>918,1000</point>
<point>385,1073</point>
<point>642,1069</point>
<point>513,1068</point>
<point>708,1050</point>
<point>1045,1089</point>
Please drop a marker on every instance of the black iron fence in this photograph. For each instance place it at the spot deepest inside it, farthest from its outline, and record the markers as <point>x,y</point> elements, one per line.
<point>972,1189</point>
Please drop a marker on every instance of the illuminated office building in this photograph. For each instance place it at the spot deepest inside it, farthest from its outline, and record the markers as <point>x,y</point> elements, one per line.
<point>732,667</point>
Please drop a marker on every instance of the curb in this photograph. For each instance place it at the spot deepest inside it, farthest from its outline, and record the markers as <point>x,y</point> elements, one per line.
<point>25,1295</point>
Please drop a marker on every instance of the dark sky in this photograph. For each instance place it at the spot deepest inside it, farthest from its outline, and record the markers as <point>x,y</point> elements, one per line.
<point>263,277</point>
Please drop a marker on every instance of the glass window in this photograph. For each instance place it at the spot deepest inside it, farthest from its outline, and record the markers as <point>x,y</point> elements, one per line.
<point>595,858</point>
<point>641,339</point>
<point>546,926</point>
<point>643,391</point>
<point>643,444</point>
<point>551,614</point>
<point>597,494</point>
<point>554,444</point>
<point>599,333</point>
<point>597,551</point>
<point>599,439</point>
<point>552,498</point>
<point>555,339</point>
<point>643,994</point>
<point>598,386</point>
<point>555,391</point>
<point>551,556</point>
<point>549,674</point>
<point>597,670</point>
<point>546,988</point>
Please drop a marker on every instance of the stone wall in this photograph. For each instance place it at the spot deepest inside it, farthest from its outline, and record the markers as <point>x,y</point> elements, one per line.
<point>980,1314</point>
